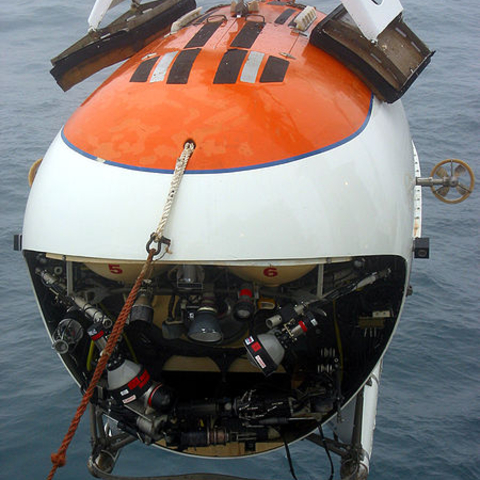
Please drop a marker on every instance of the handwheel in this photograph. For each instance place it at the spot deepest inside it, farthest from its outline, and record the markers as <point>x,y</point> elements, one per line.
<point>458,169</point>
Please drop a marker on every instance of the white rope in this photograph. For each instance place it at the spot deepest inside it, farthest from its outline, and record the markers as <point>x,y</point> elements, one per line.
<point>180,167</point>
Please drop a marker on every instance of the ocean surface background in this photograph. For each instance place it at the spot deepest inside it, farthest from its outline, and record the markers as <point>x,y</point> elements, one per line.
<point>428,422</point>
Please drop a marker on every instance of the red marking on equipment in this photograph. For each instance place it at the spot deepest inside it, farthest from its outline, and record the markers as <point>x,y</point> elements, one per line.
<point>131,398</point>
<point>133,383</point>
<point>144,378</point>
<point>139,381</point>
<point>246,293</point>
<point>270,272</point>
<point>98,335</point>
<point>115,268</point>
<point>153,393</point>
<point>260,361</point>
<point>303,326</point>
<point>256,347</point>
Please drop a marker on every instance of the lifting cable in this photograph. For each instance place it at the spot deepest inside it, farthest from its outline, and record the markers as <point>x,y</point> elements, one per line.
<point>59,458</point>
<point>324,445</point>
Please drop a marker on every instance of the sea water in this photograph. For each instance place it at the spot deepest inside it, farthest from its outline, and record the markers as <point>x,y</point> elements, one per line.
<point>428,422</point>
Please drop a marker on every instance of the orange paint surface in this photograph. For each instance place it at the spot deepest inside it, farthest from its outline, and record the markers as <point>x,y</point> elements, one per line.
<point>235,126</point>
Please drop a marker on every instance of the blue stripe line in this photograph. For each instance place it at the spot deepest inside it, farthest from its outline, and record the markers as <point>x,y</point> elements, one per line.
<point>78,150</point>
<point>236,169</point>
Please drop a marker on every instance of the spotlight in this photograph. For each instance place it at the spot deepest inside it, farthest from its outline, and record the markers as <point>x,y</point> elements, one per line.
<point>67,335</point>
<point>244,308</point>
<point>190,277</point>
<point>205,327</point>
<point>142,309</point>
<point>266,351</point>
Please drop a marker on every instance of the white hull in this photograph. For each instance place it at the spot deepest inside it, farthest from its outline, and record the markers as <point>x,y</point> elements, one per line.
<point>354,199</point>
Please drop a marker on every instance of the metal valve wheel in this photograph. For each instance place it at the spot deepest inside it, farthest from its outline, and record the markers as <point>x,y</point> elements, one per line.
<point>457,176</point>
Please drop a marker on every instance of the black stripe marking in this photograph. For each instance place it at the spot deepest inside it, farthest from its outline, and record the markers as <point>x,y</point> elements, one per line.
<point>230,66</point>
<point>284,16</point>
<point>247,35</point>
<point>275,70</point>
<point>143,70</point>
<point>203,35</point>
<point>182,66</point>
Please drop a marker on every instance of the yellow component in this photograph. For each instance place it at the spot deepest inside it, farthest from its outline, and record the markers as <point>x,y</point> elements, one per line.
<point>33,171</point>
<point>371,322</point>
<point>121,270</point>
<point>272,275</point>
<point>114,269</point>
<point>264,303</point>
<point>160,309</point>
<point>233,449</point>
<point>91,351</point>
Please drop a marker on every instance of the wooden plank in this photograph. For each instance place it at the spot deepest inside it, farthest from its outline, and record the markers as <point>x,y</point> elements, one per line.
<point>116,42</point>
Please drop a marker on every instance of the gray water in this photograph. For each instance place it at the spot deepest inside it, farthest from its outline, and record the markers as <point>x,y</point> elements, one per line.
<point>428,423</point>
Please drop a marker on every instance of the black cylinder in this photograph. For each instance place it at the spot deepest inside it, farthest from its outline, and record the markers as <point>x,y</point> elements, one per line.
<point>161,398</point>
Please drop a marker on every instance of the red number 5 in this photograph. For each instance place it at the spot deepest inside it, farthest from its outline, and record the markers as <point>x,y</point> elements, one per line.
<point>115,269</point>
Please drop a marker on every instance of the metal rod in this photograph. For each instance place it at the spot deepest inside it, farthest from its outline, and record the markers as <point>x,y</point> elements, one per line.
<point>430,181</point>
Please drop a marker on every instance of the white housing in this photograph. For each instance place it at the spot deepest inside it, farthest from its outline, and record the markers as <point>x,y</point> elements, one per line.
<point>373,16</point>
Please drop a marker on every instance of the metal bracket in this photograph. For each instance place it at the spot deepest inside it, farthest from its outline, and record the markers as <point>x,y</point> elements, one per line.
<point>421,247</point>
<point>17,242</point>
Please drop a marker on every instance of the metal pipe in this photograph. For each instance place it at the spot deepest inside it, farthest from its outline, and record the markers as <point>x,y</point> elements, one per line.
<point>93,313</point>
<point>430,181</point>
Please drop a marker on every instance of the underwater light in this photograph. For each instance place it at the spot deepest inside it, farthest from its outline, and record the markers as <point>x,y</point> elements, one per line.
<point>67,335</point>
<point>244,307</point>
<point>266,351</point>
<point>205,326</point>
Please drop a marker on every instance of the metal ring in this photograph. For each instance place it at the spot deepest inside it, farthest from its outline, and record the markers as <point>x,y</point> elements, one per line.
<point>149,244</point>
<point>250,15</point>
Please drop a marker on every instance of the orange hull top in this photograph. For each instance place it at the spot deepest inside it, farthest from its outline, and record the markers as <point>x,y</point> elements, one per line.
<point>250,92</point>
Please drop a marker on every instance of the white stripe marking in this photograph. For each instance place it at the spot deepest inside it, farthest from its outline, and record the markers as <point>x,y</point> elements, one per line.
<point>161,69</point>
<point>251,67</point>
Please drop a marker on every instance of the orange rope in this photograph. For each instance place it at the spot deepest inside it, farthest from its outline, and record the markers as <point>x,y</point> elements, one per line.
<point>59,458</point>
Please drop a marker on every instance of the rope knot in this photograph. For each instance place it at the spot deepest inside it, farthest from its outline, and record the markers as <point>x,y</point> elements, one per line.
<point>104,352</point>
<point>58,458</point>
